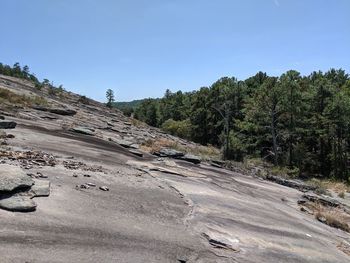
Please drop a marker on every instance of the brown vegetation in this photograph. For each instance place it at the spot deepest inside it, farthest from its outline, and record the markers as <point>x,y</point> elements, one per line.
<point>13,99</point>
<point>205,152</point>
<point>333,216</point>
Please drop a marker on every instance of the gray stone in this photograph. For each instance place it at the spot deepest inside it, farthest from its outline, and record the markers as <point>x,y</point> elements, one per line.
<point>41,188</point>
<point>83,130</point>
<point>13,178</point>
<point>221,240</point>
<point>18,204</point>
<point>124,143</point>
<point>59,111</point>
<point>135,146</point>
<point>7,124</point>
<point>104,188</point>
<point>191,158</point>
<point>137,153</point>
<point>297,184</point>
<point>167,152</point>
<point>324,200</point>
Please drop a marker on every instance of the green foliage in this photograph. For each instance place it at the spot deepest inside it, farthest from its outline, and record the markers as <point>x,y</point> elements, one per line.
<point>148,112</point>
<point>23,73</point>
<point>18,72</point>
<point>178,128</point>
<point>84,100</point>
<point>301,122</point>
<point>128,108</point>
<point>110,98</point>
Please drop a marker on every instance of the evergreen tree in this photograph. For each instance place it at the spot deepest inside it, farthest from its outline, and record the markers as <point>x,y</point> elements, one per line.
<point>110,98</point>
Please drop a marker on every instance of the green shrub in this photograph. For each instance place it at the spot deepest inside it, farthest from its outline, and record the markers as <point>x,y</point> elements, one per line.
<point>178,128</point>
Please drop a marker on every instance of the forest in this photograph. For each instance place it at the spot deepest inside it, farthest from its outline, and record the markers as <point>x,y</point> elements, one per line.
<point>295,121</point>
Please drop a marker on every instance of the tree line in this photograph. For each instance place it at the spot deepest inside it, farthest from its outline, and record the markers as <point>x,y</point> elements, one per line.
<point>302,122</point>
<point>18,71</point>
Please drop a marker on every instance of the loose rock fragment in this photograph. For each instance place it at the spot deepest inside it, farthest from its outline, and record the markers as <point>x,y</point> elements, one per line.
<point>18,204</point>
<point>41,188</point>
<point>7,124</point>
<point>13,178</point>
<point>137,153</point>
<point>83,130</point>
<point>104,188</point>
<point>191,158</point>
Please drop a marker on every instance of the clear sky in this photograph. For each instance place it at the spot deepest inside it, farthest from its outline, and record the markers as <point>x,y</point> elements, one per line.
<point>139,48</point>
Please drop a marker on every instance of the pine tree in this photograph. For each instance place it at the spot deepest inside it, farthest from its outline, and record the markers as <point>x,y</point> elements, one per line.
<point>110,98</point>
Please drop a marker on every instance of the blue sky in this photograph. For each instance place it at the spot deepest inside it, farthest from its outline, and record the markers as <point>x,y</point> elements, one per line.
<point>139,48</point>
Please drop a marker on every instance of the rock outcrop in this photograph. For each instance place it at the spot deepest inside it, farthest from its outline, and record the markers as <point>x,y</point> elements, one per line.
<point>17,189</point>
<point>83,130</point>
<point>191,158</point>
<point>59,111</point>
<point>13,178</point>
<point>18,203</point>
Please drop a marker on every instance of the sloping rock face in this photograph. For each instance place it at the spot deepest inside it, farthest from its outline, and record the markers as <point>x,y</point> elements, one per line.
<point>13,178</point>
<point>154,210</point>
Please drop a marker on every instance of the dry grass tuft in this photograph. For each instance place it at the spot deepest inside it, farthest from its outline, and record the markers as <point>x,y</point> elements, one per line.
<point>334,217</point>
<point>205,152</point>
<point>336,186</point>
<point>344,247</point>
<point>137,123</point>
<point>13,99</point>
<point>341,195</point>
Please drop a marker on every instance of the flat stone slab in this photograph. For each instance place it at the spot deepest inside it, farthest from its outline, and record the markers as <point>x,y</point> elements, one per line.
<point>18,204</point>
<point>124,143</point>
<point>13,178</point>
<point>191,158</point>
<point>59,111</point>
<point>41,188</point>
<point>7,124</point>
<point>83,130</point>
<point>136,152</point>
<point>167,152</point>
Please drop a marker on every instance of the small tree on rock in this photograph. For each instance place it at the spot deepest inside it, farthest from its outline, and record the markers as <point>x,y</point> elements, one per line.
<point>110,98</point>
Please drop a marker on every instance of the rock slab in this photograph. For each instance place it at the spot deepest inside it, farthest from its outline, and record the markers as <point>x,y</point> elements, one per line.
<point>41,188</point>
<point>59,111</point>
<point>18,204</point>
<point>191,158</point>
<point>13,178</point>
<point>83,130</point>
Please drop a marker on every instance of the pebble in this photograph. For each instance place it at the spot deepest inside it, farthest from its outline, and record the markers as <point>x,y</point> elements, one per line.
<point>104,188</point>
